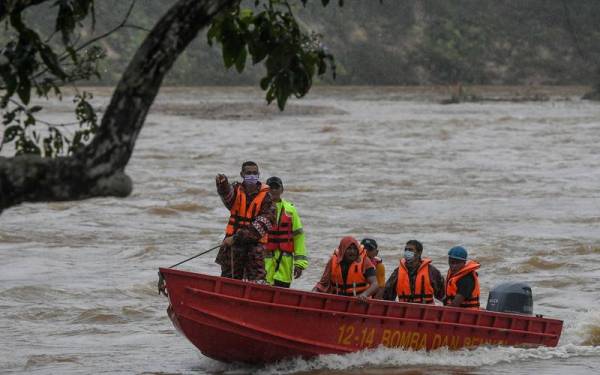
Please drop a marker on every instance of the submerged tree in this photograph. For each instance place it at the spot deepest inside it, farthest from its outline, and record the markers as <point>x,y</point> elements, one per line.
<point>43,169</point>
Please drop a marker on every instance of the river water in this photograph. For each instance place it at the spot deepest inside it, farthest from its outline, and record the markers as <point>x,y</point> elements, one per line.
<point>516,183</point>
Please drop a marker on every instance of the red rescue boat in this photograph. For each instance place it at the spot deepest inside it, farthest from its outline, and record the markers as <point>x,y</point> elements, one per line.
<point>237,321</point>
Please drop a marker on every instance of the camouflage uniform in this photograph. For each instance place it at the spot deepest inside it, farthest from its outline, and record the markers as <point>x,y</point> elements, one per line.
<point>245,258</point>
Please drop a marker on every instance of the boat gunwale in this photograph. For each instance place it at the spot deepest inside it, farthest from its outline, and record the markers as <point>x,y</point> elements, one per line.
<point>382,317</point>
<point>246,284</point>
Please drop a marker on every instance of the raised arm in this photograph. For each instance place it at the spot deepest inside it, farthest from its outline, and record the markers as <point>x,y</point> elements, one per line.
<point>225,190</point>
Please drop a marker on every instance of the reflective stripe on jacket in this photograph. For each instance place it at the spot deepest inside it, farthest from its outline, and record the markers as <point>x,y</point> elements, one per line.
<point>421,291</point>
<point>355,282</point>
<point>242,214</point>
<point>452,287</point>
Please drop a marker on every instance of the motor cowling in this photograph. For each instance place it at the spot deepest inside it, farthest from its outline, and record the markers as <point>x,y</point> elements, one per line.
<point>511,297</point>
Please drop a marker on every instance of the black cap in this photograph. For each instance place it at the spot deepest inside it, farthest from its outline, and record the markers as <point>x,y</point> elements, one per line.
<point>369,243</point>
<point>274,182</point>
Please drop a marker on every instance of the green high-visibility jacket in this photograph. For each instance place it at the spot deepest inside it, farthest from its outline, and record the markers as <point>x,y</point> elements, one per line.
<point>280,264</point>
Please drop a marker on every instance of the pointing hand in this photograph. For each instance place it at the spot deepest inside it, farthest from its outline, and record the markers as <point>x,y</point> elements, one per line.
<point>221,179</point>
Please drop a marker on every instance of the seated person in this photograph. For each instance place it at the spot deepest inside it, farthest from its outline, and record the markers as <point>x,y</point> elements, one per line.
<point>372,250</point>
<point>348,272</point>
<point>462,282</point>
<point>416,279</point>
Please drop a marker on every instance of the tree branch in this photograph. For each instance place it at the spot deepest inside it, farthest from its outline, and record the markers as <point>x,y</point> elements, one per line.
<point>98,169</point>
<point>65,54</point>
<point>102,36</point>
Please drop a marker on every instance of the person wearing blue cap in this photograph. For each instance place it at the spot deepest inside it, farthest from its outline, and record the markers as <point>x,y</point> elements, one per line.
<point>462,281</point>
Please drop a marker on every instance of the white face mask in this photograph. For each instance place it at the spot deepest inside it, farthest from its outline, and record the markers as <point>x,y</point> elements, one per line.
<point>251,178</point>
<point>409,256</point>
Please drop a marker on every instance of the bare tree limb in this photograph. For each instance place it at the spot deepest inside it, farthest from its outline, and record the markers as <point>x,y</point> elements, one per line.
<point>122,24</point>
<point>102,36</point>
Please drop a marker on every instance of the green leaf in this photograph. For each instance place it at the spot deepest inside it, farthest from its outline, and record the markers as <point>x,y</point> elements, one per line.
<point>29,120</point>
<point>29,147</point>
<point>10,116</point>
<point>246,16</point>
<point>264,83</point>
<point>281,100</point>
<point>51,60</point>
<point>10,81</point>
<point>230,52</point>
<point>11,132</point>
<point>72,54</point>
<point>48,151</point>
<point>214,32</point>
<point>240,62</point>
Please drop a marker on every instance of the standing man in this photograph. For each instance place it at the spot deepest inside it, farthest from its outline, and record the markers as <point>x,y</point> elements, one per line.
<point>416,279</point>
<point>286,254</point>
<point>251,217</point>
<point>349,272</point>
<point>372,250</point>
<point>462,282</point>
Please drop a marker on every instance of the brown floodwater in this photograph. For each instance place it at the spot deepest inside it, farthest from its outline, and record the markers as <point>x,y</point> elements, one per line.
<point>514,181</point>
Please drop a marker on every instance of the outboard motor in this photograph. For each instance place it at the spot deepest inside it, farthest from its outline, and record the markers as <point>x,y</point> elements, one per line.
<point>511,297</point>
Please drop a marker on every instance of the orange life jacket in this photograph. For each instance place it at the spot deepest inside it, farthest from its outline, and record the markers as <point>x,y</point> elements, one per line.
<point>363,252</point>
<point>422,291</point>
<point>355,282</point>
<point>452,288</point>
<point>280,235</point>
<point>242,214</point>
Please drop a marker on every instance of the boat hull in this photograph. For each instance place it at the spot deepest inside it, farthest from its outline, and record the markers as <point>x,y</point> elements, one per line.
<point>232,320</point>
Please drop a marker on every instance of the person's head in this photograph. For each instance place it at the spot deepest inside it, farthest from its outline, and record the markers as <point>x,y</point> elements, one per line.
<point>370,246</point>
<point>250,172</point>
<point>351,254</point>
<point>457,258</point>
<point>276,187</point>
<point>412,251</point>
<point>348,249</point>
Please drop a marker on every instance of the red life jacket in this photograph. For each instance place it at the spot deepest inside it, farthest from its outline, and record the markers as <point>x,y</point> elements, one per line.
<point>355,282</point>
<point>422,291</point>
<point>452,288</point>
<point>241,214</point>
<point>281,236</point>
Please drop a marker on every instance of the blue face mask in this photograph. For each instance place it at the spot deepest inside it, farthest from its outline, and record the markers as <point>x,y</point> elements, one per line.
<point>409,256</point>
<point>251,178</point>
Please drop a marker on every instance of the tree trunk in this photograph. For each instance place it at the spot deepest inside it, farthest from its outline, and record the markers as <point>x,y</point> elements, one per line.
<point>98,169</point>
